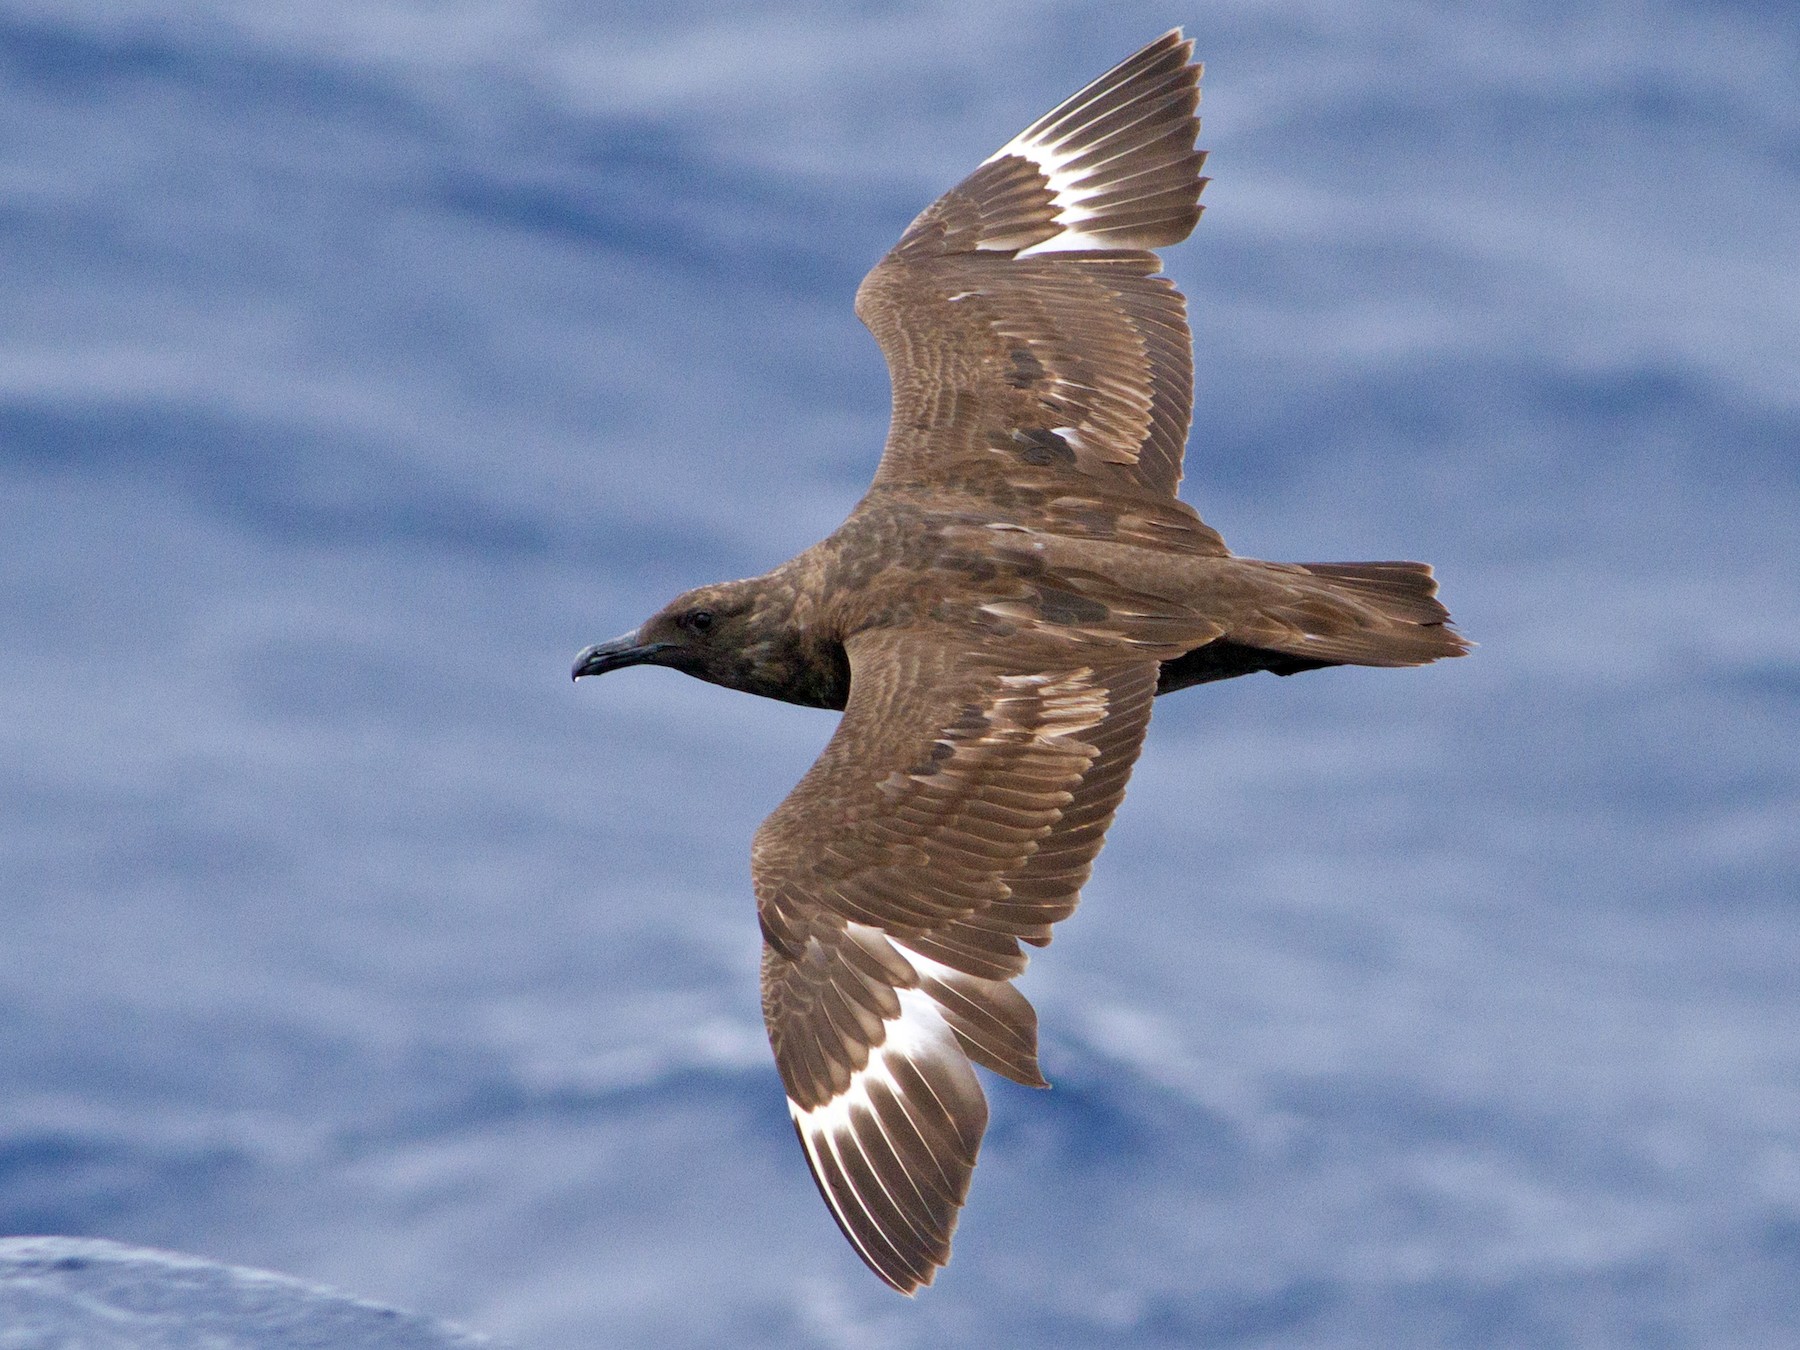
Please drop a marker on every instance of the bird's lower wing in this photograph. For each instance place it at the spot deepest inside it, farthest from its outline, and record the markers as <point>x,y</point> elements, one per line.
<point>954,815</point>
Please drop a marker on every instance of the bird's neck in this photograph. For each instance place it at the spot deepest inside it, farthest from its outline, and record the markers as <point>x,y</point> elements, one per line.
<point>790,651</point>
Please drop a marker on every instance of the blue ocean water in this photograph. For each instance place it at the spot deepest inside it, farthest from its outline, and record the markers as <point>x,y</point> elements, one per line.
<point>62,1293</point>
<point>360,363</point>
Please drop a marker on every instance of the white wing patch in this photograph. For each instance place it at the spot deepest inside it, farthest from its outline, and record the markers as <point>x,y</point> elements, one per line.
<point>925,967</point>
<point>1119,170</point>
<point>1070,187</point>
<point>847,1139</point>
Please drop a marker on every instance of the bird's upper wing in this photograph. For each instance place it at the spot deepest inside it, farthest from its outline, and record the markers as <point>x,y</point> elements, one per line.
<point>954,815</point>
<point>1029,341</point>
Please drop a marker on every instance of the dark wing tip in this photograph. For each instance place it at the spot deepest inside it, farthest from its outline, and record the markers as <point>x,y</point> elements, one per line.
<point>1114,166</point>
<point>894,1152</point>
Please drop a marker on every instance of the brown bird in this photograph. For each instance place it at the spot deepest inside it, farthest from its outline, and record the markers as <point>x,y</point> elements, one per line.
<point>994,619</point>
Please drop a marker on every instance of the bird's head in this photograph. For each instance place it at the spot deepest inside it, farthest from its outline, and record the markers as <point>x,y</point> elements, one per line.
<point>702,633</point>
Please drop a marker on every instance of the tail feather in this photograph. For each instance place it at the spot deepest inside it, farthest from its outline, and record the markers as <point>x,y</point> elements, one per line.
<point>1359,614</point>
<point>1404,590</point>
<point>1310,615</point>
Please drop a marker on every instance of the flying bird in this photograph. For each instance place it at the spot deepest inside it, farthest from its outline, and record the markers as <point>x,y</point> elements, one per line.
<point>993,620</point>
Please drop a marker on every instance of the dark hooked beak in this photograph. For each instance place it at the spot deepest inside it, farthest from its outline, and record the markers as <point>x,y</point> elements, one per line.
<point>624,650</point>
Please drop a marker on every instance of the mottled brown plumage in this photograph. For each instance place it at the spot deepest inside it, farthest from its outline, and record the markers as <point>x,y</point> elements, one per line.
<point>994,620</point>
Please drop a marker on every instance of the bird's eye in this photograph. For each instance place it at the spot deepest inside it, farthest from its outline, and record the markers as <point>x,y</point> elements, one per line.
<point>700,620</point>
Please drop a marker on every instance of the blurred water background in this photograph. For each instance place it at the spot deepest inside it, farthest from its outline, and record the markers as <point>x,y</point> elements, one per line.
<point>360,362</point>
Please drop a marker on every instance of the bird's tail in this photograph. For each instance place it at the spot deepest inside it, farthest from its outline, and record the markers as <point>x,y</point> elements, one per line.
<point>1308,615</point>
<point>1364,614</point>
